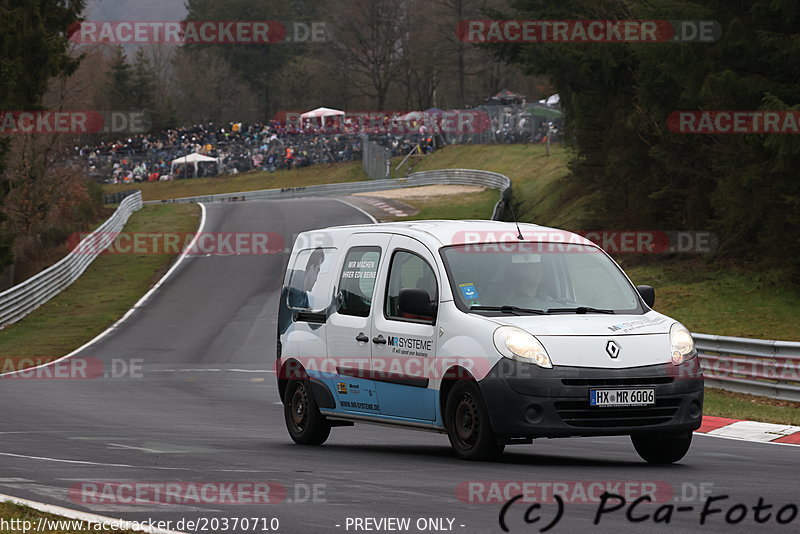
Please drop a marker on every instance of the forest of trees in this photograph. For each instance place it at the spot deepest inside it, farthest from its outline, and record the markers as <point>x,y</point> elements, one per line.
<point>376,55</point>
<point>617,99</point>
<point>41,200</point>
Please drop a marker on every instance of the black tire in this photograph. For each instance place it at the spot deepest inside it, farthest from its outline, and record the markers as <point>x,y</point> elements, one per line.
<point>467,423</point>
<point>662,450</point>
<point>306,425</point>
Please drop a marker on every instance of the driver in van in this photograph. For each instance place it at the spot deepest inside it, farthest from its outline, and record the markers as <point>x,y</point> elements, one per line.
<point>521,284</point>
<point>299,294</point>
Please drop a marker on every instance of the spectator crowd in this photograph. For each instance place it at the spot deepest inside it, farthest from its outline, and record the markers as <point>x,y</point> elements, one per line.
<point>277,144</point>
<point>237,148</point>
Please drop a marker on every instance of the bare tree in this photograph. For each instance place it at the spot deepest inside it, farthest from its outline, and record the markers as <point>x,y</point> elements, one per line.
<point>454,11</point>
<point>206,88</point>
<point>425,65</point>
<point>369,35</point>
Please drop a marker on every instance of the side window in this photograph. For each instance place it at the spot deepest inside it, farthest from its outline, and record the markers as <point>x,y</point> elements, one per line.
<point>310,280</point>
<point>357,281</point>
<point>408,271</point>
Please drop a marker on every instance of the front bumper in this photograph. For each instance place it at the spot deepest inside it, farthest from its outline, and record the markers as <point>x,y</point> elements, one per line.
<point>526,401</point>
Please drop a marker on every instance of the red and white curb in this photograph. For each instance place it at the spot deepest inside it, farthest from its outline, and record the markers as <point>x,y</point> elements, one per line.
<point>750,430</point>
<point>380,204</point>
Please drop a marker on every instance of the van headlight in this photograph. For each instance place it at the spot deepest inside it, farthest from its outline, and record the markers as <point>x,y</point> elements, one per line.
<point>517,344</point>
<point>681,344</point>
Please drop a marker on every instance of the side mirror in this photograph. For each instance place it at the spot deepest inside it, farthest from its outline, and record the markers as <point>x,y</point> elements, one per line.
<point>648,294</point>
<point>415,302</point>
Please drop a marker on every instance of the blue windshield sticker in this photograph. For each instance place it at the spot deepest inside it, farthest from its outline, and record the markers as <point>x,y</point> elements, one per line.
<point>469,291</point>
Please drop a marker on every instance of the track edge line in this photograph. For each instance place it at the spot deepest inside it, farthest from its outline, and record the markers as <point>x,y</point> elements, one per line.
<point>365,212</point>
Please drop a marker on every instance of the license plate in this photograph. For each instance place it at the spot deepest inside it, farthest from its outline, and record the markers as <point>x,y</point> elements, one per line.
<point>622,397</point>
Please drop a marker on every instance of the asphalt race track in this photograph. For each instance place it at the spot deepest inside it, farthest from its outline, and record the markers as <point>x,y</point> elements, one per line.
<point>204,408</point>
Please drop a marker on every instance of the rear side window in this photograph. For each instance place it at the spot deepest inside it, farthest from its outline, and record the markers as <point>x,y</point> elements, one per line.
<point>310,280</point>
<point>408,271</point>
<point>357,281</point>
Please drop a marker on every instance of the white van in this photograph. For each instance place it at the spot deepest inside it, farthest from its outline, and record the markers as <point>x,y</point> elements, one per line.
<point>490,332</point>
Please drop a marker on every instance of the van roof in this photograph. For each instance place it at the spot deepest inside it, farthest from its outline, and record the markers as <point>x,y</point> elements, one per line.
<point>438,233</point>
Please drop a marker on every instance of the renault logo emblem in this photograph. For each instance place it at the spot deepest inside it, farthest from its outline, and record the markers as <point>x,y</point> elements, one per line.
<point>612,349</point>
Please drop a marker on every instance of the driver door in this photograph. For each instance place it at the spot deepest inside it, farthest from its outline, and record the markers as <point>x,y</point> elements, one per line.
<point>404,352</point>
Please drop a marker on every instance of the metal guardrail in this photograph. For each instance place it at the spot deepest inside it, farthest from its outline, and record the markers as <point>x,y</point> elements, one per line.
<point>754,366</point>
<point>20,300</point>
<point>119,196</point>
<point>492,180</point>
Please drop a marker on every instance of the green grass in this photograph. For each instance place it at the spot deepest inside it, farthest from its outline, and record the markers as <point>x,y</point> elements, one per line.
<point>110,286</point>
<point>10,511</point>
<point>722,300</point>
<point>469,206</point>
<point>540,192</point>
<point>750,407</point>
<point>252,181</point>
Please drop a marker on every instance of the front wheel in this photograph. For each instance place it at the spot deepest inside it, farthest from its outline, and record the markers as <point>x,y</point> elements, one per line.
<point>306,425</point>
<point>662,450</point>
<point>467,422</point>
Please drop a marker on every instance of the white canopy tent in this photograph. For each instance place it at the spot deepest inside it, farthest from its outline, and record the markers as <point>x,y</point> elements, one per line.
<point>321,113</point>
<point>551,100</point>
<point>411,116</point>
<point>193,159</point>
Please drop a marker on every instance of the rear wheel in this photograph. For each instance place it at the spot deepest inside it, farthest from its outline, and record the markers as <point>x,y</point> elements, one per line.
<point>467,422</point>
<point>661,449</point>
<point>306,425</point>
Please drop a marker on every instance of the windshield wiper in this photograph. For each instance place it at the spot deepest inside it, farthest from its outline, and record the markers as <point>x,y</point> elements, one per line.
<point>507,309</point>
<point>579,309</point>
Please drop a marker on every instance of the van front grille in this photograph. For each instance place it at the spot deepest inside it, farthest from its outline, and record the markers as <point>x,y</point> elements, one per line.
<point>580,414</point>
<point>628,381</point>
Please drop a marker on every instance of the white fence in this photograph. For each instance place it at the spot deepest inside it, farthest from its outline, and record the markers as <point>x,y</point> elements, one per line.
<point>20,300</point>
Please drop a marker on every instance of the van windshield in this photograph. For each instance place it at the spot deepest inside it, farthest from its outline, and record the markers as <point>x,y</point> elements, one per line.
<point>525,277</point>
